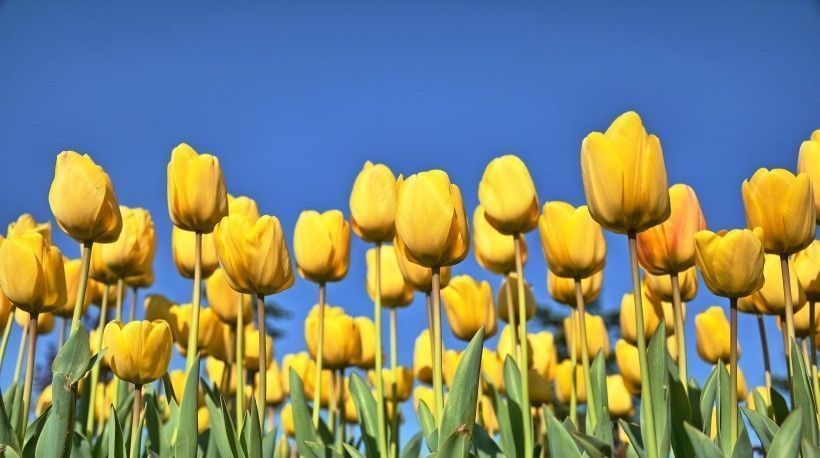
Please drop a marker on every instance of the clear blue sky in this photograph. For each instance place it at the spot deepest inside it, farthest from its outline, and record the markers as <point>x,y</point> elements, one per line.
<point>294,98</point>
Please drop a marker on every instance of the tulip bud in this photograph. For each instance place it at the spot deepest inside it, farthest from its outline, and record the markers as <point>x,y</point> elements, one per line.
<point>626,355</point>
<point>422,357</point>
<point>807,270</point>
<point>669,247</point>
<point>802,322</point>
<point>562,290</point>
<point>6,309</point>
<point>132,253</point>
<point>544,354</point>
<point>342,341</point>
<point>398,383</point>
<point>83,200</point>
<point>225,301</point>
<point>660,286</point>
<point>572,241</point>
<point>321,245</point>
<point>419,277</point>
<point>769,299</point>
<point>712,335</point>
<point>430,220</point>
<point>506,346</point>
<point>597,336</point>
<point>508,294</point>
<point>221,343</point>
<point>423,394</point>
<point>731,263</point>
<point>209,328</point>
<point>367,334</point>
<point>72,269</point>
<point>286,420</point>
<point>326,383</point>
<point>492,369</point>
<point>808,162</point>
<point>253,254</point>
<point>183,244</point>
<point>469,307</point>
<point>197,199</point>
<point>507,193</point>
<point>783,206</point>
<point>158,307</point>
<point>394,292</point>
<point>652,316</point>
<point>43,401</point>
<point>252,337</point>
<point>100,272</point>
<point>138,352</point>
<point>26,223</point>
<point>494,251</point>
<point>299,362</point>
<point>31,273</point>
<point>373,203</point>
<point>274,395</point>
<point>625,176</point>
<point>540,392</point>
<point>243,205</point>
<point>178,379</point>
<point>619,399</point>
<point>45,322</point>
<point>563,382</point>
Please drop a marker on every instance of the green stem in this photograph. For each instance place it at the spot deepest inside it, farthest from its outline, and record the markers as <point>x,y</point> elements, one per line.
<point>511,317</point>
<point>573,393</point>
<point>394,444</point>
<point>767,365</point>
<point>582,324</point>
<point>438,348</point>
<point>377,312</point>
<point>78,302</point>
<point>733,421</point>
<point>136,433</point>
<point>240,361</point>
<point>340,429</point>
<point>193,334</point>
<point>789,318</point>
<point>646,392</point>
<point>32,343</point>
<point>95,371</point>
<point>677,307</point>
<point>6,333</point>
<point>812,356</point>
<point>20,352</point>
<point>61,335</point>
<point>132,314</point>
<point>118,317</point>
<point>263,372</point>
<point>317,383</point>
<point>526,414</point>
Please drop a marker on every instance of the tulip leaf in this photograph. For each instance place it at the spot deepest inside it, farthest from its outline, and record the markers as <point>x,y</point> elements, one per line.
<point>763,426</point>
<point>780,408</point>
<point>679,412</point>
<point>7,435</point>
<point>302,421</point>
<point>354,452</point>
<point>502,414</point>
<point>701,443</point>
<point>512,382</point>
<point>269,443</point>
<point>561,442</point>
<point>786,442</point>
<point>602,430</point>
<point>485,446</point>
<point>695,392</point>
<point>591,445</point>
<point>33,433</point>
<point>633,432</point>
<point>222,428</point>
<point>366,408</point>
<point>153,423</point>
<point>724,411</point>
<point>187,442</point>
<point>58,432</point>
<point>456,444</point>
<point>656,357</point>
<point>427,423</point>
<point>116,444</point>
<point>707,401</point>
<point>169,388</point>
<point>17,410</point>
<point>761,406</point>
<point>460,409</point>
<point>74,358</point>
<point>413,447</point>
<point>743,446</point>
<point>803,394</point>
<point>254,435</point>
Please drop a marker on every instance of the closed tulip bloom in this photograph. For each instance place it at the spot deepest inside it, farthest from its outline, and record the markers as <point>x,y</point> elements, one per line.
<point>807,269</point>
<point>367,334</point>
<point>6,308</point>
<point>626,355</point>
<point>326,383</point>
<point>252,337</point>
<point>243,205</point>
<point>209,327</point>
<point>764,394</point>
<point>562,290</point>
<point>83,201</point>
<point>469,307</point>
<point>511,283</point>
<point>540,388</point>
<point>43,401</point>
<point>619,399</point>
<point>731,263</point>
<point>31,273</point>
<point>27,223</point>
<point>506,346</point>
<point>134,249</point>
<point>158,307</point>
<point>274,394</point>
<point>321,245</point>
<point>597,336</point>
<point>99,271</point>
<point>142,280</point>
<point>225,301</point>
<point>563,382</point>
<point>430,220</point>
<point>215,369</point>
<point>221,343</point>
<point>669,315</point>
<point>395,291</point>
<point>402,377</point>
<point>672,347</point>
<point>203,420</point>
<point>652,316</point>
<point>422,358</point>
<point>299,362</point>
<point>138,352</point>
<point>487,415</point>
<point>197,199</point>
<point>545,356</point>
<point>418,276</point>
<point>783,206</point>
<point>423,394</point>
<point>573,242</point>
<point>178,379</point>
<point>286,420</point>
<point>808,162</point>
<point>802,322</point>
<point>72,282</point>
<point>45,322</point>
<point>669,247</point>
<point>625,176</point>
<point>373,203</point>
<point>507,193</point>
<point>254,254</point>
<point>451,360</point>
<point>493,250</point>
<point>183,245</point>
<point>492,369</point>
<point>742,391</point>
<point>660,286</point>
<point>342,343</point>
<point>712,335</point>
<point>769,299</point>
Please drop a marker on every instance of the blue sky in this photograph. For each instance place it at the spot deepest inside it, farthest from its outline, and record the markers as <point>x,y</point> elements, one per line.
<point>294,97</point>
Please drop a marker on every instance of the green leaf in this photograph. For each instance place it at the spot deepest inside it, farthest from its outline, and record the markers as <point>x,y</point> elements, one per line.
<point>7,435</point>
<point>695,392</point>
<point>187,444</point>
<point>724,416</point>
<point>460,409</point>
<point>153,423</point>
<point>456,444</point>
<point>222,426</point>
<point>427,424</point>
<point>512,382</point>
<point>413,447</point>
<point>657,357</point>
<point>33,433</point>
<point>254,435</point>
<point>366,408</point>
<point>779,407</point>
<point>561,442</point>
<point>269,443</point>
<point>116,444</point>
<point>743,446</point>
<point>763,426</point>
<point>603,429</point>
<point>74,358</point>
<point>761,406</point>
<point>302,422</point>
<point>633,431</point>
<point>353,451</point>
<point>701,443</point>
<point>680,412</point>
<point>505,428</point>
<point>707,401</point>
<point>803,394</point>
<point>169,388</point>
<point>591,445</point>
<point>58,432</point>
<point>786,442</point>
<point>485,446</point>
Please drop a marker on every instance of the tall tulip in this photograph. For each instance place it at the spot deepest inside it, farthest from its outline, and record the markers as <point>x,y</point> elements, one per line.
<point>712,332</point>
<point>469,307</point>
<point>807,268</point>
<point>494,251</point>
<point>808,162</point>
<point>343,346</point>
<point>183,248</point>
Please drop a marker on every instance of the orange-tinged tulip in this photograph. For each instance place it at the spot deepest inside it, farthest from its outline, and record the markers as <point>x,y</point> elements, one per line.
<point>395,291</point>
<point>418,276</point>
<point>367,334</point>
<point>197,199</point>
<point>669,247</point>
<point>243,205</point>
<point>563,382</point>
<point>373,203</point>
<point>783,206</point>
<point>626,355</point>
<point>573,242</point>
<point>597,336</point>
<point>31,273</point>
<point>712,335</point>
<point>619,399</point>
<point>807,269</point>
<point>769,299</point>
<point>299,362</point>
<point>401,377</point>
<point>660,286</point>
<point>506,346</point>
<point>625,176</point>
<point>509,290</point>
<point>27,223</point>
<point>652,316</point>
<point>508,195</point>
<point>252,337</point>
<point>731,263</point>
<point>83,201</point>
<point>45,322</point>
<point>138,352</point>
<point>493,250</point>
<point>469,307</point>
<point>422,357</point>
<point>342,341</point>
<point>253,254</point>
<point>183,245</point>
<point>321,245</point>
<point>225,301</point>
<point>544,354</point>
<point>133,251</point>
<point>562,290</point>
<point>274,394</point>
<point>286,420</point>
<point>808,162</point>
<point>430,220</point>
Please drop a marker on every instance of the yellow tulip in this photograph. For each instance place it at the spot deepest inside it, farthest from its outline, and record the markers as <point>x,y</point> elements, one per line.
<point>486,413</point>
<point>469,307</point>
<point>764,393</point>
<point>422,358</point>
<point>367,334</point>
<point>142,280</point>
<point>104,400</point>
<point>299,362</point>
<point>183,245</point>
<point>27,223</point>
<point>216,369</point>
<point>545,356</point>
<point>326,382</point>
<point>509,290</point>
<point>619,399</point>
<point>252,337</point>
<point>6,308</point>
<point>597,336</point>
<point>274,394</point>
<point>430,220</point>
<point>660,286</point>
<point>672,347</point>
<point>209,327</point>
<point>83,200</point>
<point>373,203</point>
<point>31,273</point>
<point>807,269</point>
<point>222,342</point>
<point>133,251</point>
<point>802,322</point>
<point>419,277</point>
<point>395,291</point>
<point>769,299</point>
<point>197,199</point>
<point>43,401</point>
<point>45,322</point>
<point>506,346</point>
<point>652,316</point>
<point>72,282</point>
<point>243,205</point>
<point>451,360</point>
<point>712,335</point>
<point>808,162</point>
<point>158,307</point>
<point>403,379</point>
<point>731,263</point>
<point>572,241</point>
<point>494,251</point>
<point>286,420</point>
<point>203,420</point>
<point>540,388</point>
<point>225,301</point>
<point>563,382</point>
<point>423,394</point>
<point>178,379</point>
<point>669,247</point>
<point>562,290</point>
<point>342,342</point>
<point>669,315</point>
<point>783,206</point>
<point>100,272</point>
<point>351,415</point>
<point>625,176</point>
<point>507,193</point>
<point>493,369</point>
<point>626,355</point>
<point>742,391</point>
<point>138,352</point>
<point>321,245</point>
<point>253,254</point>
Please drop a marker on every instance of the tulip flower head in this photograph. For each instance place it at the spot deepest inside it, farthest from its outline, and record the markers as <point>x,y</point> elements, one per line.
<point>342,342</point>
<point>562,290</point>
<point>807,268</point>
<point>506,346</point>
<point>367,335</point>
<point>133,251</point>
<point>712,335</point>
<point>243,205</point>
<point>197,199</point>
<point>72,282</point>
<point>300,363</point>
<point>27,223</point>
<point>573,242</point>
<point>802,322</point>
<point>252,338</point>
<point>32,275</point>
<point>373,203</point>
<point>6,308</point>
<point>597,336</point>
<point>395,290</point>
<point>469,307</point>
<point>626,355</point>
<point>731,262</point>
<point>769,299</point>
<point>544,354</point>
<point>45,321</point>
<point>422,357</point>
<point>619,399</point>
<point>401,379</point>
<point>138,352</point>
<point>660,286</point>
<point>418,276</point>
<point>652,316</point>
<point>183,245</point>
<point>508,196</point>
<point>225,301</point>
<point>808,162</point>
<point>274,393</point>
<point>321,245</point>
<point>492,369</point>
<point>494,251</point>
<point>563,382</point>
<point>508,293</point>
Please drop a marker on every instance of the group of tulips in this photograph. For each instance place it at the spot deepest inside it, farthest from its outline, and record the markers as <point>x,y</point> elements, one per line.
<point>518,400</point>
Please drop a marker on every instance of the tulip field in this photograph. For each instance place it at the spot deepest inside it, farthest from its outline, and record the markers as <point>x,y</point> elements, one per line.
<point>345,395</point>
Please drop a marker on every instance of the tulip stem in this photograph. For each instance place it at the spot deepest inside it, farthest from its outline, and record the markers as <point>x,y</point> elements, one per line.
<point>438,349</point>
<point>332,403</point>
<point>61,335</point>
<point>573,393</point>
<point>812,355</point>
<point>132,314</point>
<point>32,351</point>
<point>394,423</point>
<point>646,392</point>
<point>6,333</point>
<point>340,431</point>
<point>511,317</point>
<point>767,365</point>
<point>317,391</point>
<point>377,317</point>
<point>20,351</point>
<point>733,421</point>
<point>677,307</point>
<point>240,361</point>
<point>95,371</point>
<point>787,295</point>
<point>193,335</point>
<point>85,266</point>
<point>263,372</point>
<point>135,422</point>
<point>118,317</point>
<point>582,323</point>
<point>526,414</point>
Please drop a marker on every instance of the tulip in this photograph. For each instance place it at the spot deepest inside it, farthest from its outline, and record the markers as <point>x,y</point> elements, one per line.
<point>399,382</point>
<point>395,291</point>
<point>712,332</point>
<point>808,163</point>
<point>619,399</point>
<point>178,379</point>
<point>507,346</point>
<point>45,321</point>
<point>373,203</point>
<point>274,394</point>
<point>321,245</point>
<point>243,205</point>
<point>183,244</point>
<point>197,199</point>
<point>659,287</point>
<point>564,384</point>
<point>325,383</point>
<point>31,273</point>
<point>507,193</point>
<point>6,312</point>
<point>486,415</point>
<point>299,362</point>
<point>419,277</point>
<point>541,392</point>
<point>73,272</point>
<point>367,335</point>
<point>652,314</point>
<point>805,325</point>
<point>225,301</point>
<point>469,307</point>
<point>342,346</point>
<point>422,357</point>
<point>181,325</point>
<point>807,268</point>
<point>254,359</point>
<point>731,262</point>
<point>493,250</point>
<point>138,352</point>
<point>508,298</point>
<point>544,354</point>
<point>158,307</point>
<point>769,298</point>
<point>286,420</point>
<point>573,242</point>
<point>562,290</point>
<point>27,223</point>
<point>626,355</point>
<point>452,359</point>
<point>133,251</point>
<point>492,368</point>
<point>423,394</point>
<point>595,331</point>
<point>43,401</point>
